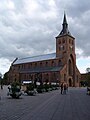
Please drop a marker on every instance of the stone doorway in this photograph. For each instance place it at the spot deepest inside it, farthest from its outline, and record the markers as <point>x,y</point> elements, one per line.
<point>70,82</point>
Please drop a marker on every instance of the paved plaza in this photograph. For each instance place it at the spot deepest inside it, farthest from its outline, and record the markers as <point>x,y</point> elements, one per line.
<point>75,105</point>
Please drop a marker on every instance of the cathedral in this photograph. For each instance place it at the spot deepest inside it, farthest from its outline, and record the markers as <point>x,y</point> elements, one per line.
<point>56,67</point>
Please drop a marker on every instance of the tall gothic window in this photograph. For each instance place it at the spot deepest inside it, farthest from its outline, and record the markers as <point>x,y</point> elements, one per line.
<point>69,67</point>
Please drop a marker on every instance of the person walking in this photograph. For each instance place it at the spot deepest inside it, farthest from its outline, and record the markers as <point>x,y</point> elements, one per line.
<point>61,88</point>
<point>65,88</point>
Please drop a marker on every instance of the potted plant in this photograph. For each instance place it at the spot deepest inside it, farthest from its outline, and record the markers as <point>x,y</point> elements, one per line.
<point>30,89</point>
<point>40,88</point>
<point>15,90</point>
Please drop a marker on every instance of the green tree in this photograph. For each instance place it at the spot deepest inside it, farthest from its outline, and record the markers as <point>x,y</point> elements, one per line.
<point>5,78</point>
<point>0,76</point>
<point>1,81</point>
<point>88,70</point>
<point>88,76</point>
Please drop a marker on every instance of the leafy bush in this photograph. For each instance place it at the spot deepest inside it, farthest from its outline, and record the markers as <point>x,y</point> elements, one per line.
<point>30,87</point>
<point>15,90</point>
<point>40,88</point>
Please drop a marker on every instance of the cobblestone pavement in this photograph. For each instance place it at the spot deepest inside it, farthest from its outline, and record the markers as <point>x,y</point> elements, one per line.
<point>75,105</point>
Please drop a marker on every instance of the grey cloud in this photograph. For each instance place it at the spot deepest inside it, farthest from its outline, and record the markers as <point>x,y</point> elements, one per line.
<point>79,12</point>
<point>23,35</point>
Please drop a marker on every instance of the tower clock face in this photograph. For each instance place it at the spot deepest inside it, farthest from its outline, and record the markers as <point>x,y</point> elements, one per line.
<point>61,47</point>
<point>71,46</point>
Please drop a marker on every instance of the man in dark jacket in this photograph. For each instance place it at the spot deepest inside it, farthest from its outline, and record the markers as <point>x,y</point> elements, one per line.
<point>62,88</point>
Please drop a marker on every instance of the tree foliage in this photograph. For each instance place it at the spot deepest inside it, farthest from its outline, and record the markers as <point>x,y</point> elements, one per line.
<point>88,76</point>
<point>0,76</point>
<point>88,70</point>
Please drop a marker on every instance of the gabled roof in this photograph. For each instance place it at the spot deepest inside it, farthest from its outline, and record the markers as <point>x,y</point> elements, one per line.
<point>35,58</point>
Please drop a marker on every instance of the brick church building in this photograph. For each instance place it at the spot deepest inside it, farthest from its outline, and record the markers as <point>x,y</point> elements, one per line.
<point>52,68</point>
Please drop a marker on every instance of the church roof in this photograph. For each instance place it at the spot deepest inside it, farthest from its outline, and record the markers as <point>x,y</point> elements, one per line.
<point>35,58</point>
<point>65,30</point>
<point>40,69</point>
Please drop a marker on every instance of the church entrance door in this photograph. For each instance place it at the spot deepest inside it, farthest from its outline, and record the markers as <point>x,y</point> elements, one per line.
<point>70,82</point>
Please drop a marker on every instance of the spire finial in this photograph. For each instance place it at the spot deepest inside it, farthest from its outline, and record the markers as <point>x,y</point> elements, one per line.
<point>64,19</point>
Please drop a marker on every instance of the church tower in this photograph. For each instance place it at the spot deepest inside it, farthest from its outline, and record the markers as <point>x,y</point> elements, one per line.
<point>65,49</point>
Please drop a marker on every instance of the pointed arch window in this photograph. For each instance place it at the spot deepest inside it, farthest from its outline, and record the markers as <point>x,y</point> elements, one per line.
<point>63,40</point>
<point>53,63</point>
<point>46,63</point>
<point>65,77</point>
<point>31,64</point>
<point>69,67</point>
<point>59,62</point>
<point>35,64</point>
<point>40,64</point>
<point>59,42</point>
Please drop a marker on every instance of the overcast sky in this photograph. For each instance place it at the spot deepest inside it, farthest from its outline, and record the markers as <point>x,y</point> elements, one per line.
<point>29,27</point>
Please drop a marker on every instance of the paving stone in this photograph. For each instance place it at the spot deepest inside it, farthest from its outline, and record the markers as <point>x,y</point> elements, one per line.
<point>75,105</point>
